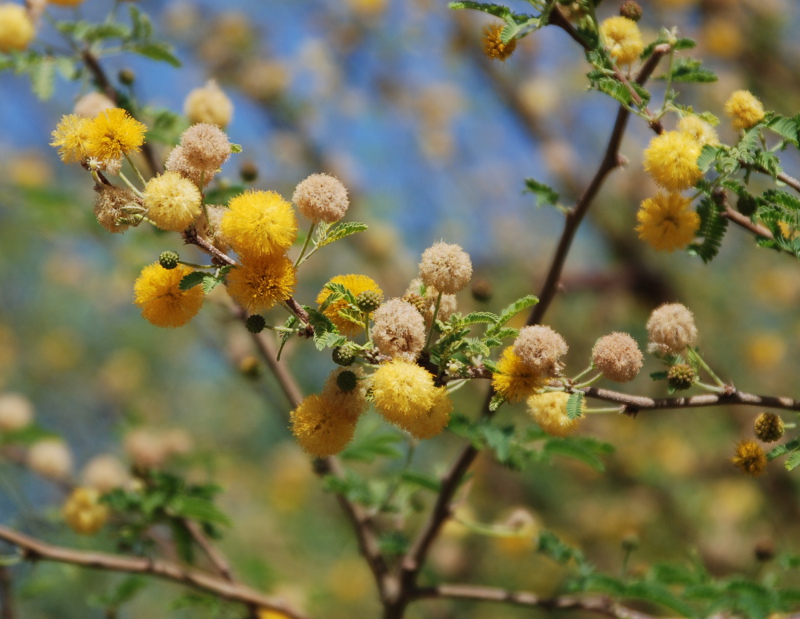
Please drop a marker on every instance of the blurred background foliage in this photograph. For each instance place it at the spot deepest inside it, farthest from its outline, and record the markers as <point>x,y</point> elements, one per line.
<point>433,142</point>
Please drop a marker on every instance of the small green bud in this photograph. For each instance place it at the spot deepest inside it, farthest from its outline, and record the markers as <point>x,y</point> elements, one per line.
<point>369,300</point>
<point>630,542</point>
<point>481,289</point>
<point>768,427</point>
<point>746,204</point>
<point>416,300</point>
<point>169,259</point>
<point>248,172</point>
<point>347,381</point>
<point>343,355</point>
<point>681,376</point>
<point>255,323</point>
<point>764,550</point>
<point>631,9</point>
<point>127,76</point>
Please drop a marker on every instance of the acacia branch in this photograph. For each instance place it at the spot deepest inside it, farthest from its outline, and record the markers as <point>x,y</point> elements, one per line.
<point>35,550</point>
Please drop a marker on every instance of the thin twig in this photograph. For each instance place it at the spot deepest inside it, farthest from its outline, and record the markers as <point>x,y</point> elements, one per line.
<point>745,222</point>
<point>215,556</point>
<point>36,550</point>
<point>6,595</point>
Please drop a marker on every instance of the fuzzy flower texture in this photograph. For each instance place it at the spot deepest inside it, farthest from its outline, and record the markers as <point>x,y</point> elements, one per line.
<point>623,39</point>
<point>666,222</point>
<point>157,292</point>
<point>671,329</point>
<point>526,366</point>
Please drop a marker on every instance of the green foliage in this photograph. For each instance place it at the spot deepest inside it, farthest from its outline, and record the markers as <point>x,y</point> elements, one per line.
<point>370,447</point>
<point>208,281</point>
<point>327,233</point>
<point>785,127</point>
<point>712,230</point>
<point>689,70</point>
<point>544,194</point>
<point>582,448</point>
<point>575,405</point>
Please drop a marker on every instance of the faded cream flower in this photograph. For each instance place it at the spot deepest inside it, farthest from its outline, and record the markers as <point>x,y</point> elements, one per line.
<point>618,357</point>
<point>671,329</point>
<point>208,105</point>
<point>321,197</point>
<point>540,349</point>
<point>446,267</point>
<point>399,330</point>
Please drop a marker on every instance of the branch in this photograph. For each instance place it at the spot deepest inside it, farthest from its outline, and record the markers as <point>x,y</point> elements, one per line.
<point>598,604</point>
<point>744,222</point>
<point>6,595</point>
<point>217,559</point>
<point>635,403</point>
<point>35,550</point>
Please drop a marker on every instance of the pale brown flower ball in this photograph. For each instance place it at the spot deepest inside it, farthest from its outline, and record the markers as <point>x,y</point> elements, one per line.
<point>540,348</point>
<point>206,147</point>
<point>114,207</point>
<point>446,267</point>
<point>92,103</point>
<point>16,412</point>
<point>321,197</point>
<point>618,357</point>
<point>399,330</point>
<point>671,329</point>
<point>50,458</point>
<point>208,226</point>
<point>209,105</point>
<point>105,473</point>
<point>177,162</point>
<point>447,305</point>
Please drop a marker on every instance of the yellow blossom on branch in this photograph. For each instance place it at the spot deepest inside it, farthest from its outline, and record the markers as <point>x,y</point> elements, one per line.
<point>71,137</point>
<point>623,39</point>
<point>671,159</point>
<point>744,109</point>
<point>514,379</point>
<point>16,28</point>
<point>157,291</point>
<point>114,133</point>
<point>356,284</point>
<point>666,222</point>
<point>259,223</point>
<point>261,282</point>
<point>492,43</point>
<point>319,428</point>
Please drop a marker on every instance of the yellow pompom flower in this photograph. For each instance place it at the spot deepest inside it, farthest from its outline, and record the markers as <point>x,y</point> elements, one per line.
<point>492,43</point>
<point>671,159</point>
<point>318,429</point>
<point>16,28</point>
<point>549,411</point>
<point>157,291</point>
<point>435,420</point>
<point>403,392</point>
<point>514,379</point>
<point>750,458</point>
<point>666,222</point>
<point>65,2</point>
<point>114,133</point>
<point>172,201</point>
<point>71,137</point>
<point>258,283</point>
<point>259,223</point>
<point>83,511</point>
<point>623,39</point>
<point>356,284</point>
<point>699,130</point>
<point>744,109</point>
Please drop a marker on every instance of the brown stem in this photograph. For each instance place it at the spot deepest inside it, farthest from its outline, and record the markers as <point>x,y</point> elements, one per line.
<point>6,595</point>
<point>36,550</point>
<point>217,559</point>
<point>744,222</point>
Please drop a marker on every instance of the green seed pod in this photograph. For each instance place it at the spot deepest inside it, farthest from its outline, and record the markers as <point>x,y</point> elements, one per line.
<point>169,259</point>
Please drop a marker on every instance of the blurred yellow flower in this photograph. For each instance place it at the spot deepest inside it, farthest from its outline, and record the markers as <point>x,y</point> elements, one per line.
<point>157,292</point>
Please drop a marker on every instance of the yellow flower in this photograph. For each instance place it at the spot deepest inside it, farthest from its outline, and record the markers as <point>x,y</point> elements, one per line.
<point>403,392</point>
<point>515,380</point>
<point>259,223</point>
<point>671,159</point>
<point>261,282</point>
<point>623,39</point>
<point>435,420</point>
<point>318,429</point>
<point>162,301</point>
<point>83,511</point>
<point>16,28</point>
<point>666,223</point>
<point>65,2</point>
<point>700,130</point>
<point>113,133</point>
<point>492,43</point>
<point>750,458</point>
<point>172,201</point>
<point>744,109</point>
<point>356,284</point>
<point>72,136</point>
<point>549,410</point>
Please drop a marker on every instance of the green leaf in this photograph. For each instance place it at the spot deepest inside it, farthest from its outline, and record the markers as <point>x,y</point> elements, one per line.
<point>328,339</point>
<point>689,70</point>
<point>197,508</point>
<point>615,90</point>
<point>142,29</point>
<point>583,449</point>
<point>156,51</point>
<point>498,10</point>
<point>658,594</point>
<point>184,542</point>
<point>512,310</point>
<point>393,543</point>
<point>26,436</point>
<point>544,194</point>
<point>373,446</point>
<point>784,127</point>
<point>575,405</point>
<point>474,318</point>
<point>707,156</point>
<point>423,481</point>
<point>552,546</point>
<point>342,230</point>
<point>43,78</point>
<point>793,461</point>
<point>197,278</point>
<point>782,198</point>
<point>712,229</point>
<point>659,375</point>
<point>782,450</point>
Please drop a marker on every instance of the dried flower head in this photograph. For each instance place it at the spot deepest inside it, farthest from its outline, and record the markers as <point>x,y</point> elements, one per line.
<point>114,133</point>
<point>318,429</point>
<point>83,511</point>
<point>514,379</point>
<point>403,392</point>
<point>671,329</point>
<point>105,473</point>
<point>549,411</point>
<point>699,130</point>
<point>356,284</point>
<point>259,223</point>
<point>671,159</point>
<point>623,39</point>
<point>208,225</point>
<point>618,357</point>
<point>177,162</point>
<point>206,147</point>
<point>157,292</point>
<point>172,202</point>
<point>16,28</point>
<point>50,458</point>
<point>208,105</point>
<point>768,427</point>
<point>259,283</point>
<point>145,448</point>
<point>71,137</point>
<point>16,412</point>
<point>321,197</point>
<point>92,103</point>
<point>540,348</point>
<point>399,330</point>
<point>445,267</point>
<point>114,206</point>
<point>750,458</point>
<point>666,222</point>
<point>492,43</point>
<point>744,109</point>
<point>348,402</point>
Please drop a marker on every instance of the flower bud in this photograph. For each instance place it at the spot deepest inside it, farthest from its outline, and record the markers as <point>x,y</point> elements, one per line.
<point>768,427</point>
<point>681,376</point>
<point>255,323</point>
<point>169,259</point>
